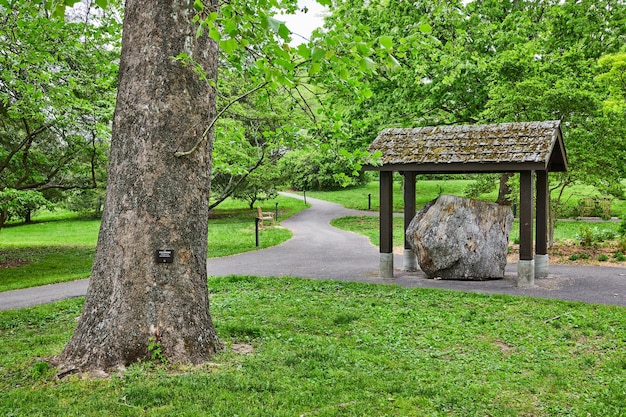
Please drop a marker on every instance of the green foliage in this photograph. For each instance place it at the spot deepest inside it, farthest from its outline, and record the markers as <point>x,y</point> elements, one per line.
<point>588,236</point>
<point>484,184</point>
<point>603,258</point>
<point>155,350</point>
<point>250,138</point>
<point>321,169</point>
<point>622,226</point>
<point>19,204</point>
<point>488,61</point>
<point>56,97</point>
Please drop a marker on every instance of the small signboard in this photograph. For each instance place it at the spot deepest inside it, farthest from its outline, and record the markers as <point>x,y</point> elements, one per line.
<point>164,256</point>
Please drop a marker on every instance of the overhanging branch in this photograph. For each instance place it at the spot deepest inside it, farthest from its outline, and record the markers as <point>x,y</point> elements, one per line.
<point>208,129</point>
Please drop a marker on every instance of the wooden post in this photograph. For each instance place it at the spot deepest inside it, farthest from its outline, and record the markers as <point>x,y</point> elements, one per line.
<point>409,260</point>
<point>386,224</point>
<point>541,245</point>
<point>526,265</point>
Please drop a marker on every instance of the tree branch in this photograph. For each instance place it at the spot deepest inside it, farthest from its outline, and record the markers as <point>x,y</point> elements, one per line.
<point>232,188</point>
<point>208,129</point>
<point>30,136</point>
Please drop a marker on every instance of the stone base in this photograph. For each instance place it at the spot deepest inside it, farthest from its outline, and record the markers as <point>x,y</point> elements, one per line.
<point>525,273</point>
<point>541,266</point>
<point>386,265</point>
<point>410,261</point>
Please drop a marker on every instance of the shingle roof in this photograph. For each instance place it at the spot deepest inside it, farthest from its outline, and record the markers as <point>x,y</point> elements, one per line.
<point>532,145</point>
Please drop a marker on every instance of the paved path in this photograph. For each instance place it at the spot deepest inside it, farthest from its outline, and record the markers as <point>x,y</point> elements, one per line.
<point>320,251</point>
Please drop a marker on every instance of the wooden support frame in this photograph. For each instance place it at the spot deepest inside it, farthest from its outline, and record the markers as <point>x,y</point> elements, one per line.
<point>409,259</point>
<point>386,224</point>
<point>543,204</point>
<point>526,216</point>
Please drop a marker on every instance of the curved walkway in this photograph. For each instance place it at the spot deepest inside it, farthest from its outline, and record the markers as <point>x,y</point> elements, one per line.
<point>320,251</point>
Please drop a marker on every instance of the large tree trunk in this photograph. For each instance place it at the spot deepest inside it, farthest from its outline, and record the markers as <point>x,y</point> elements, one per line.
<point>154,201</point>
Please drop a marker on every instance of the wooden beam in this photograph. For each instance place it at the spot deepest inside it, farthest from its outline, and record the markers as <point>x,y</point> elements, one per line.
<point>461,168</point>
<point>386,212</point>
<point>409,260</point>
<point>409,203</point>
<point>526,216</point>
<point>542,202</point>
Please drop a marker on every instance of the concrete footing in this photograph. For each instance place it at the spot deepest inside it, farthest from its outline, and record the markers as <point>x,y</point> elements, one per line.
<point>525,273</point>
<point>541,266</point>
<point>409,261</point>
<point>386,265</point>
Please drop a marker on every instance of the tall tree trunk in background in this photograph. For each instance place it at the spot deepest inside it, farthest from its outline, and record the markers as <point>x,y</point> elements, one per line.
<point>504,190</point>
<point>154,201</point>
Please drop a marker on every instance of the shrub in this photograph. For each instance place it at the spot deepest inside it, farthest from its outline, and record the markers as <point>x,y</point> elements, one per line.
<point>603,258</point>
<point>574,257</point>
<point>587,236</point>
<point>321,170</point>
<point>619,256</point>
<point>622,226</point>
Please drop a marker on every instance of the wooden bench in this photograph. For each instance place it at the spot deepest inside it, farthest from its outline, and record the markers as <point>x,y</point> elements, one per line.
<point>264,215</point>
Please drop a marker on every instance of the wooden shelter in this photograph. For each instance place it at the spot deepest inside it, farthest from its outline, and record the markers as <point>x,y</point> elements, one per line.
<point>533,149</point>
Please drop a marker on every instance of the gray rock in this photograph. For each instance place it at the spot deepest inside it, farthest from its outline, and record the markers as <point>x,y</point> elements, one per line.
<point>460,238</point>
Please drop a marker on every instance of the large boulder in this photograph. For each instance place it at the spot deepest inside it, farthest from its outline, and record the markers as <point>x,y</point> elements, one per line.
<point>461,238</point>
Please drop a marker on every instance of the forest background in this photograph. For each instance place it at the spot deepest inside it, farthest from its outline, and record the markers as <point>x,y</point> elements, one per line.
<point>301,116</point>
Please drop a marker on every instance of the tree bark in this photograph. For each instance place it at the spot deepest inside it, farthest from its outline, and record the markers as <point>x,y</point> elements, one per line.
<point>504,190</point>
<point>154,201</point>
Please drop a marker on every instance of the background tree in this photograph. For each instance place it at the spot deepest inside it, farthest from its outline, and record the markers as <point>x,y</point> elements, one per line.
<point>57,90</point>
<point>250,138</point>
<point>491,61</point>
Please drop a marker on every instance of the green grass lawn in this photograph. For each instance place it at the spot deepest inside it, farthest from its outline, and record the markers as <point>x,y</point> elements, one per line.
<point>325,348</point>
<point>50,250</point>
<point>357,198</point>
<point>368,226</point>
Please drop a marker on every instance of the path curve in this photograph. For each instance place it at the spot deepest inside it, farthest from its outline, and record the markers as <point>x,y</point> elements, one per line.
<point>316,250</point>
<point>320,251</point>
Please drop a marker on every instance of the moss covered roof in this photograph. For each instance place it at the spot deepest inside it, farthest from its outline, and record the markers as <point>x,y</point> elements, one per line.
<point>531,145</point>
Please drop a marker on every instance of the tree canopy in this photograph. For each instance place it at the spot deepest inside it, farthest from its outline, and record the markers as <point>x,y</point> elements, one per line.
<point>57,92</point>
<point>494,61</point>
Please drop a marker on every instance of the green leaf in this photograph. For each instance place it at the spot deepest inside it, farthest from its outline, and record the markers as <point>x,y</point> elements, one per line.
<point>284,32</point>
<point>426,28</point>
<point>197,4</point>
<point>366,93</point>
<point>367,64</point>
<point>317,54</point>
<point>274,23</point>
<point>315,68</point>
<point>102,3</point>
<point>327,3</point>
<point>59,12</point>
<point>214,34</point>
<point>304,51</point>
<point>392,62</point>
<point>386,42</point>
<point>228,45</point>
